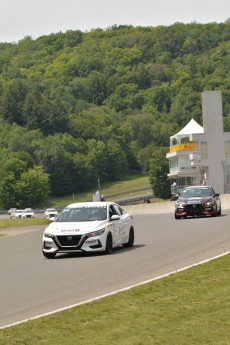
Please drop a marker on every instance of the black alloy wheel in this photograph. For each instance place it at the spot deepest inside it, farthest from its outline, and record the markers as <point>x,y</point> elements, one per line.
<point>131,238</point>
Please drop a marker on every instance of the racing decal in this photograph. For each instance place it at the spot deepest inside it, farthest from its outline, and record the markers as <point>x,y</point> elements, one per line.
<point>70,230</point>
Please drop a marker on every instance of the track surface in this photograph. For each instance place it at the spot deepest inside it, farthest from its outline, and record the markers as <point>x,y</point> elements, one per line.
<point>31,285</point>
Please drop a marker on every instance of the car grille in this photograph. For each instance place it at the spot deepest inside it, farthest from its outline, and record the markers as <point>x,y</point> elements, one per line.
<point>194,208</point>
<point>69,240</point>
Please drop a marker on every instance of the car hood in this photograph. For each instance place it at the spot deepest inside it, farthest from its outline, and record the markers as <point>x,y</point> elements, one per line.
<point>75,228</point>
<point>194,200</point>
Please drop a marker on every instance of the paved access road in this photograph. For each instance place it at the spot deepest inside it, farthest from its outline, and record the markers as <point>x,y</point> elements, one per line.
<point>31,285</point>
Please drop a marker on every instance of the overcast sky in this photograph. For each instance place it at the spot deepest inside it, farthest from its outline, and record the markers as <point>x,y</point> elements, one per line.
<point>21,18</point>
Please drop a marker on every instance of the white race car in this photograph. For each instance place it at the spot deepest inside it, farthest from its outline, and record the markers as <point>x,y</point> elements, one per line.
<point>88,227</point>
<point>27,213</point>
<point>50,213</point>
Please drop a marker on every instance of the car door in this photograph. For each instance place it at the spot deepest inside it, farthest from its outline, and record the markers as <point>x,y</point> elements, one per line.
<point>116,224</point>
<point>124,224</point>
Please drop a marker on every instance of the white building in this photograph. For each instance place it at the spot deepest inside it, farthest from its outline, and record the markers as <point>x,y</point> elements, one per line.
<point>201,155</point>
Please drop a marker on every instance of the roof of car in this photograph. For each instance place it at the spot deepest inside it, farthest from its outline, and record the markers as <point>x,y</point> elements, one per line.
<point>91,204</point>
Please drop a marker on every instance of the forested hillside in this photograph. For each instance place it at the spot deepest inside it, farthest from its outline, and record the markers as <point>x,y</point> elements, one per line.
<point>75,107</point>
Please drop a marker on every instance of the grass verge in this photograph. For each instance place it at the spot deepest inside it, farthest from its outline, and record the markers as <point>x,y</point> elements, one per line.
<point>132,182</point>
<point>8,223</point>
<point>187,308</point>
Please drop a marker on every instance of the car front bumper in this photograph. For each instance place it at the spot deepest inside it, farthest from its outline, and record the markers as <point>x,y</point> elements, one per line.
<point>195,210</point>
<point>75,243</point>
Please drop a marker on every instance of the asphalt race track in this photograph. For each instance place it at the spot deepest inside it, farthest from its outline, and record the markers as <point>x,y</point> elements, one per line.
<point>32,285</point>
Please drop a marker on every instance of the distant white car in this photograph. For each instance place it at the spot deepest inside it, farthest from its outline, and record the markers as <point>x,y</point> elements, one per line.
<point>11,210</point>
<point>27,213</point>
<point>16,214</point>
<point>50,213</point>
<point>88,227</point>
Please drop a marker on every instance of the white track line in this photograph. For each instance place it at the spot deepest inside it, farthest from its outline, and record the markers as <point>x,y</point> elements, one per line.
<point>117,291</point>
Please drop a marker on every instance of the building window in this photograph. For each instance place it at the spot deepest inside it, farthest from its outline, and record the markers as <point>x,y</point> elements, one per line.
<point>185,140</point>
<point>184,163</point>
<point>173,163</point>
<point>227,149</point>
<point>203,150</point>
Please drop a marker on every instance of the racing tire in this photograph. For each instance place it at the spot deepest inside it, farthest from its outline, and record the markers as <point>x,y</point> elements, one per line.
<point>49,255</point>
<point>109,244</point>
<point>131,238</point>
<point>215,214</point>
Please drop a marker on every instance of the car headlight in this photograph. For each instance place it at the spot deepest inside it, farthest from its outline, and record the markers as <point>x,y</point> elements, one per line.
<point>209,203</point>
<point>49,235</point>
<point>96,233</point>
<point>180,204</point>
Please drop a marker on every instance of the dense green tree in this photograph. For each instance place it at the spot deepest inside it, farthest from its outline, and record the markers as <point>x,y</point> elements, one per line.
<point>85,177</point>
<point>117,161</point>
<point>140,128</point>
<point>98,157</point>
<point>123,97</point>
<point>144,157</point>
<point>12,101</point>
<point>97,104</point>
<point>8,195</point>
<point>158,174</point>
<point>22,187</point>
<point>32,188</point>
<point>58,164</point>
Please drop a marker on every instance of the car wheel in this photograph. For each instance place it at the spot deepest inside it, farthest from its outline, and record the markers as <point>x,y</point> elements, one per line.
<point>215,212</point>
<point>109,244</point>
<point>131,238</point>
<point>49,255</point>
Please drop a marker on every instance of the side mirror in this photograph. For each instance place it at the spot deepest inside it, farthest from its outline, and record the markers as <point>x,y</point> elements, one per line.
<point>115,217</point>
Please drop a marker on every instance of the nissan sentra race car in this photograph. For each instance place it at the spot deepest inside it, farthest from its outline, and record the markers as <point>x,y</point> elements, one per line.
<point>198,201</point>
<point>88,227</point>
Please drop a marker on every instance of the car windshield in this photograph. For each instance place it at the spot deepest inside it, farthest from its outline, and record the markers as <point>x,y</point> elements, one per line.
<point>83,214</point>
<point>196,192</point>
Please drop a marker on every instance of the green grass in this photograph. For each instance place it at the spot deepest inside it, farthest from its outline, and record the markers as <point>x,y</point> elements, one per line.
<point>6,223</point>
<point>132,182</point>
<point>187,308</point>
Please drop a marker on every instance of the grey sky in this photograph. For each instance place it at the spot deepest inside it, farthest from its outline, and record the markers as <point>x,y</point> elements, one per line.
<point>21,18</point>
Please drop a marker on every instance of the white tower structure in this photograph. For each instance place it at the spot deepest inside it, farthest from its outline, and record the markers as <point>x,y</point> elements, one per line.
<point>201,155</point>
<point>213,129</point>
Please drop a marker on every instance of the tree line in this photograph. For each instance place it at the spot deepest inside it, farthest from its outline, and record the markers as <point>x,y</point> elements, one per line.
<point>77,107</point>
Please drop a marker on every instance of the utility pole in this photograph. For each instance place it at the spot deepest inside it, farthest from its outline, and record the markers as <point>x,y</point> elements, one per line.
<point>99,187</point>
